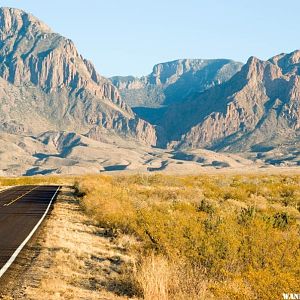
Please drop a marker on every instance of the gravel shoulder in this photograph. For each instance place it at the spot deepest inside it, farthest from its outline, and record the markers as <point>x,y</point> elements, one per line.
<point>69,258</point>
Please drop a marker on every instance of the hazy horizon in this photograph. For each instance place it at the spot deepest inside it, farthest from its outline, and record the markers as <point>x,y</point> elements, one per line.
<point>129,38</point>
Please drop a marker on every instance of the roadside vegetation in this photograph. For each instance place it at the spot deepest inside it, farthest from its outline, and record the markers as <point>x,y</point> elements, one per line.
<point>202,237</point>
<point>196,237</point>
<point>36,180</point>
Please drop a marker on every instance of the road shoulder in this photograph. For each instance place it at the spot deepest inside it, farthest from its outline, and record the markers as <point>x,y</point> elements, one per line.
<point>68,258</point>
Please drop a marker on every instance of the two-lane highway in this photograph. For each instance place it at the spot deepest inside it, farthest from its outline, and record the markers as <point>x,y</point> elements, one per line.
<point>22,210</point>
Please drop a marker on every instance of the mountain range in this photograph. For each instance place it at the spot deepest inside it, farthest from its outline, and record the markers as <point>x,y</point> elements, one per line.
<point>259,105</point>
<point>252,108</point>
<point>172,82</point>
<point>59,115</point>
<point>46,84</point>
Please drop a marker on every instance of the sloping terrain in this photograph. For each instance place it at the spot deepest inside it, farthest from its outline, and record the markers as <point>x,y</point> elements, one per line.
<point>47,85</point>
<point>58,115</point>
<point>254,111</point>
<point>258,106</point>
<point>171,82</point>
<point>70,153</point>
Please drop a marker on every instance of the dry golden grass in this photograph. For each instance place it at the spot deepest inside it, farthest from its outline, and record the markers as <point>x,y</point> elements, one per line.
<point>71,258</point>
<point>154,278</point>
<point>216,236</point>
<point>160,279</point>
<point>169,237</point>
<point>37,180</point>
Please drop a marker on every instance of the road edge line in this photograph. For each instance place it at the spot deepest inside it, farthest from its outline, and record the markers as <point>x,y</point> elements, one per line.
<point>19,249</point>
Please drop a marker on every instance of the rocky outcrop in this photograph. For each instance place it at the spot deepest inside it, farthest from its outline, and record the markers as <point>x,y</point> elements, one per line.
<point>135,128</point>
<point>214,104</point>
<point>31,52</point>
<point>259,105</point>
<point>64,90</point>
<point>172,82</point>
<point>46,85</point>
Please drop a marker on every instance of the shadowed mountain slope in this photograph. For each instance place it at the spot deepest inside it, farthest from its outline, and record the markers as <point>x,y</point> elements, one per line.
<point>171,83</point>
<point>58,115</point>
<point>46,84</point>
<point>259,105</point>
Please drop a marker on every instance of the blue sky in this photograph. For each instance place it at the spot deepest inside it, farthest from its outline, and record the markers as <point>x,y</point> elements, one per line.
<point>129,37</point>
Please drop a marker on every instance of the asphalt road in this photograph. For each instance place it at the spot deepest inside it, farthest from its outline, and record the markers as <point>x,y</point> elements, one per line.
<point>22,209</point>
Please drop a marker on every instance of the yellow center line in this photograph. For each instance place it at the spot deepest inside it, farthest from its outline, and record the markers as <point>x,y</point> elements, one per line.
<point>13,201</point>
<point>6,189</point>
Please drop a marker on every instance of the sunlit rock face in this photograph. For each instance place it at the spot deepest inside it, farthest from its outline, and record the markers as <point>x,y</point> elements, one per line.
<point>259,105</point>
<point>45,82</point>
<point>172,82</point>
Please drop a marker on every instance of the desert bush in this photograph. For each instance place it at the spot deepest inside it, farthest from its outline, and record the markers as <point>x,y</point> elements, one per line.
<point>188,226</point>
<point>161,279</point>
<point>153,277</point>
<point>246,215</point>
<point>206,206</point>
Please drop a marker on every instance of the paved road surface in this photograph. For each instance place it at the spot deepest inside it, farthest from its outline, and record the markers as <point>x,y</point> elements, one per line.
<point>22,209</point>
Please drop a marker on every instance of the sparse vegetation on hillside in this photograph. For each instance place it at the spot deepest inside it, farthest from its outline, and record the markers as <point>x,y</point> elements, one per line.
<point>202,237</point>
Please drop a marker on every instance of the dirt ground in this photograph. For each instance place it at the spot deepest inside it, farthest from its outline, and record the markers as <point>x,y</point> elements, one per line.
<point>69,258</point>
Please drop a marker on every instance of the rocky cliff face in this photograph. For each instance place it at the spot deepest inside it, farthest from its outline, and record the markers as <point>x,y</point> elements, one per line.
<point>46,85</point>
<point>172,82</point>
<point>259,106</point>
<point>43,73</point>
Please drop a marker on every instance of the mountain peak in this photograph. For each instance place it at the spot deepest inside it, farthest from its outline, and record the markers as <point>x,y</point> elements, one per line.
<point>288,62</point>
<point>174,81</point>
<point>295,56</point>
<point>66,92</point>
<point>252,60</point>
<point>13,20</point>
<point>253,68</point>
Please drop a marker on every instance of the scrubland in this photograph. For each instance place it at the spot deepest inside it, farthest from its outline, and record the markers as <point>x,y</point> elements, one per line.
<point>202,237</point>
<point>217,236</point>
<point>12,181</point>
